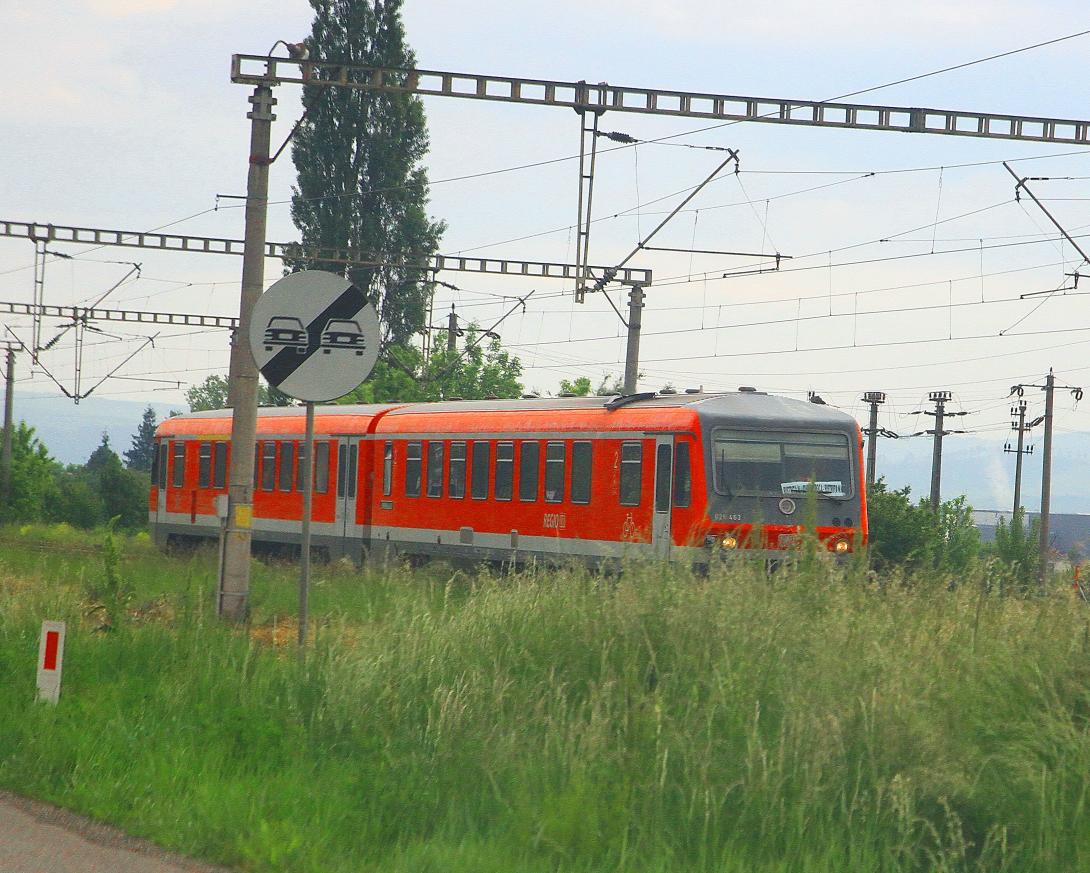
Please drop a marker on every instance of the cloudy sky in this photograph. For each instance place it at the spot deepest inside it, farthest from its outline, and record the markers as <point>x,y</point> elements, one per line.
<point>908,253</point>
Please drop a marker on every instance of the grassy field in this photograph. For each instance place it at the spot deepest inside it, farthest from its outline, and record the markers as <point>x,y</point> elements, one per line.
<point>818,721</point>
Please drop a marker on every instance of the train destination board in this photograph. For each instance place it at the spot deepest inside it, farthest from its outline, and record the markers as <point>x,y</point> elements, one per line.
<point>314,335</point>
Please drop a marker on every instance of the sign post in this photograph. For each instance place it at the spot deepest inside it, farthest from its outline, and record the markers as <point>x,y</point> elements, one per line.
<point>50,661</point>
<point>314,336</point>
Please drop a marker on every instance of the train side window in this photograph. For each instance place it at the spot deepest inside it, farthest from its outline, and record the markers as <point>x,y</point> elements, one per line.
<point>529,466</point>
<point>287,466</point>
<point>178,479</point>
<point>412,470</point>
<point>301,467</point>
<point>631,473</point>
<point>268,466</point>
<point>163,455</point>
<point>387,469</point>
<point>479,473</point>
<point>342,469</point>
<point>321,468</point>
<point>257,464</point>
<point>435,469</point>
<point>204,465</point>
<point>219,465</point>
<point>662,478</point>
<point>456,482</point>
<point>155,464</point>
<point>581,466</point>
<point>683,479</point>
<point>505,470</point>
<point>353,470</point>
<point>554,472</point>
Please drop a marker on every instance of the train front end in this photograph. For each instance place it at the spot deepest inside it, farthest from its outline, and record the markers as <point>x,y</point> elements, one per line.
<point>778,470</point>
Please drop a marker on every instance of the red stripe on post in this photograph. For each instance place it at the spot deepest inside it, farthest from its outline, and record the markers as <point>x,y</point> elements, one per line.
<point>52,641</point>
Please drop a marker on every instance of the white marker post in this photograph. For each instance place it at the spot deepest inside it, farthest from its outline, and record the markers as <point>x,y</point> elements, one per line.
<point>50,661</point>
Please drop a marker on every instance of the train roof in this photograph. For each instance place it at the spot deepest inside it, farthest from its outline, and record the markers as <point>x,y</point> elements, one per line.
<point>752,407</point>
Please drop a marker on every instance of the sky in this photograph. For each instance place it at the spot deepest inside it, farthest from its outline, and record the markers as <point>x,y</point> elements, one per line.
<point>905,256</point>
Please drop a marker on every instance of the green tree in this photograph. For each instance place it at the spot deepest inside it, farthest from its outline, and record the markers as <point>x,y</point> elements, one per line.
<point>142,452</point>
<point>33,478</point>
<point>901,532</point>
<point>478,371</point>
<point>123,493</point>
<point>580,387</point>
<point>358,155</point>
<point>1017,545</point>
<point>212,394</point>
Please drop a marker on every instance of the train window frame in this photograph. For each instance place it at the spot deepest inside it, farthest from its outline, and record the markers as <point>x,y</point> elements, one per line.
<point>504,489</point>
<point>177,464</point>
<point>387,468</point>
<point>582,471</point>
<point>321,468</point>
<point>414,468</point>
<point>664,476</point>
<point>204,465</point>
<point>456,474</point>
<point>286,474</point>
<point>219,464</point>
<point>433,479</point>
<point>268,465</point>
<point>529,470</point>
<point>683,475</point>
<point>555,469</point>
<point>342,469</point>
<point>301,467</point>
<point>479,470</point>
<point>631,467</point>
<point>353,470</point>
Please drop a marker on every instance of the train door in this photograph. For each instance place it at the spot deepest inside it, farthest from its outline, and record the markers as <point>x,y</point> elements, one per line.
<point>664,475</point>
<point>161,483</point>
<point>348,459</point>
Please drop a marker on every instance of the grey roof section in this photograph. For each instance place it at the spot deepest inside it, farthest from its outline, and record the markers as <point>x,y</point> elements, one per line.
<point>752,406</point>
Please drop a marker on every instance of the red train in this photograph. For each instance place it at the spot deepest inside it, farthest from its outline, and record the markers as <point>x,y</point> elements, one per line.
<point>667,475</point>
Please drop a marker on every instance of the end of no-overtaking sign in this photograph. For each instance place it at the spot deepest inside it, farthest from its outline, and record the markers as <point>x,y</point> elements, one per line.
<point>314,335</point>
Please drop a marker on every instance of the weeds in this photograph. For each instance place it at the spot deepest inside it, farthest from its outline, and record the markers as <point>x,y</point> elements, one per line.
<point>819,719</point>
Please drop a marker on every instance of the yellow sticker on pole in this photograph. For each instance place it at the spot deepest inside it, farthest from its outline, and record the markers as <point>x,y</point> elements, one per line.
<point>244,516</point>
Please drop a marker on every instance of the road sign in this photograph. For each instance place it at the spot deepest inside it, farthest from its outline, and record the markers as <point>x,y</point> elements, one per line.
<point>50,660</point>
<point>314,336</point>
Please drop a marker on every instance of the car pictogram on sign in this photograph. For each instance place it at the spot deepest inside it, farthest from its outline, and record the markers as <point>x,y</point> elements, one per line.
<point>343,333</point>
<point>287,333</point>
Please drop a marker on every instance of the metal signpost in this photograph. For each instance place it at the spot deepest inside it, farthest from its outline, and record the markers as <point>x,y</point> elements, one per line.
<point>314,336</point>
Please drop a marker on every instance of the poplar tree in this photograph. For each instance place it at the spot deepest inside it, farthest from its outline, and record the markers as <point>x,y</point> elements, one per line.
<point>358,156</point>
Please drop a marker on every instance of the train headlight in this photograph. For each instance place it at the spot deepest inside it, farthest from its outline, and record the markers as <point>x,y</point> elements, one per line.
<point>841,547</point>
<point>729,543</point>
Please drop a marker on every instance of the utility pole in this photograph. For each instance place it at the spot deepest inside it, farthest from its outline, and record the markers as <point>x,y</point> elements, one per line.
<point>632,354</point>
<point>234,584</point>
<point>940,399</point>
<point>1049,388</point>
<point>452,330</point>
<point>1046,472</point>
<point>1020,410</point>
<point>875,399</point>
<point>9,429</point>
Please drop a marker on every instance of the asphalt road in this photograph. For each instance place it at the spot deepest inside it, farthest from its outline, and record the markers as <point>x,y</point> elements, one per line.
<point>38,838</point>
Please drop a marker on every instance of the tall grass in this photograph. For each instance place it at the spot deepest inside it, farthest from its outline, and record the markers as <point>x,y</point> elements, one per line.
<point>653,720</point>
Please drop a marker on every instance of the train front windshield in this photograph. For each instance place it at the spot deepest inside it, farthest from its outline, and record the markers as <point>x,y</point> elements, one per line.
<point>763,464</point>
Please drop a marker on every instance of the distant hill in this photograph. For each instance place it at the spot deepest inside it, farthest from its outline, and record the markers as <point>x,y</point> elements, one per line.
<point>973,466</point>
<point>72,432</point>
